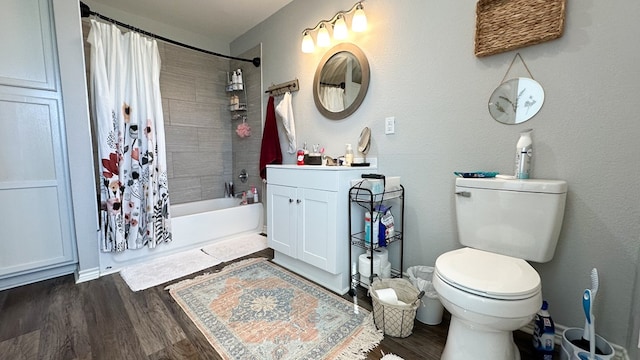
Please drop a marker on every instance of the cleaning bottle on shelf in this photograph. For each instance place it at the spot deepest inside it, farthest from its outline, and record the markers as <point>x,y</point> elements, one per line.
<point>234,80</point>
<point>544,333</point>
<point>239,78</point>
<point>371,228</point>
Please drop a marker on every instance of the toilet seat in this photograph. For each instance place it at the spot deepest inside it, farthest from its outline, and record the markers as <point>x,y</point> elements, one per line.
<point>488,274</point>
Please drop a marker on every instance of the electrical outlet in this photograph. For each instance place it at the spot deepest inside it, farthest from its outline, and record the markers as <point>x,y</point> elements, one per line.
<point>390,125</point>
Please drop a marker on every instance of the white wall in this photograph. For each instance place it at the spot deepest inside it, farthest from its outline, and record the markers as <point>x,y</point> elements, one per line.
<point>78,133</point>
<point>211,43</point>
<point>424,72</point>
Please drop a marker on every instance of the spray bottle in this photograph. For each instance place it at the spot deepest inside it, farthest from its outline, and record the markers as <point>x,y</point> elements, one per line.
<point>544,333</point>
<point>524,153</point>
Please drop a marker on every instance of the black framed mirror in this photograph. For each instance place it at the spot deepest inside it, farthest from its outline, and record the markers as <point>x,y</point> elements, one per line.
<point>341,81</point>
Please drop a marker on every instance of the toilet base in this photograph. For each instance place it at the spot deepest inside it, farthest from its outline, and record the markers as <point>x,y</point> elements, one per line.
<point>465,341</point>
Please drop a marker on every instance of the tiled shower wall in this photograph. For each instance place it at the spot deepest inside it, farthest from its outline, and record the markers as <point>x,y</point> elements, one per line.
<point>203,150</point>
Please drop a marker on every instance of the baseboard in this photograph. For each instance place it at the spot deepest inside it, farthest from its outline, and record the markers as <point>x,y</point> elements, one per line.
<point>620,352</point>
<point>86,275</point>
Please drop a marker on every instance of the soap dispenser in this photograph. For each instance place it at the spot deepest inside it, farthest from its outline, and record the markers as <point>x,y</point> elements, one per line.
<point>348,155</point>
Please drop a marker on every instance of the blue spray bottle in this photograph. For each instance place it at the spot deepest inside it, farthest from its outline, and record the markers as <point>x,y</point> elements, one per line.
<point>544,333</point>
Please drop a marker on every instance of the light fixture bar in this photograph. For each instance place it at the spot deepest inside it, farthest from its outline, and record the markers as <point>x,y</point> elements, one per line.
<point>340,32</point>
<point>335,17</point>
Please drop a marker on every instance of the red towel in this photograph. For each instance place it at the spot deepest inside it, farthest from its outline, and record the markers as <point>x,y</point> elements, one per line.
<point>270,152</point>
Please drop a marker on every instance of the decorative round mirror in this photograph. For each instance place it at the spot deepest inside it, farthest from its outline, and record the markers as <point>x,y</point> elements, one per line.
<point>341,81</point>
<point>364,143</point>
<point>516,101</point>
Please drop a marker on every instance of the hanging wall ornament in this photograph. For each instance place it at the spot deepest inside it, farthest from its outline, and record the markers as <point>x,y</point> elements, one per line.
<point>516,100</point>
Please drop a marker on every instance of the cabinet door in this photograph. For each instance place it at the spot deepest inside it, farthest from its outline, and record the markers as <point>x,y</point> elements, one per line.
<point>282,219</point>
<point>317,228</point>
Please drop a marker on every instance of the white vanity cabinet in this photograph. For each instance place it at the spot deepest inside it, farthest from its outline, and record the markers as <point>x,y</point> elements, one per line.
<point>307,220</point>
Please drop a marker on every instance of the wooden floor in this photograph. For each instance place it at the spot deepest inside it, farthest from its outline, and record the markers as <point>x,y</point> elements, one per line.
<point>104,319</point>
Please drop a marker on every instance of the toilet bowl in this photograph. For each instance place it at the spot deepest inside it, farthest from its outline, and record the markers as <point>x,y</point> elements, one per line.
<point>489,296</point>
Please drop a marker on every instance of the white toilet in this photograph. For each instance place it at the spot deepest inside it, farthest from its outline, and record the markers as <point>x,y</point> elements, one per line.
<point>487,286</point>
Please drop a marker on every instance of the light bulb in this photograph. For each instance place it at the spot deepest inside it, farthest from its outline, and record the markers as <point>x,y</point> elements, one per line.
<point>340,29</point>
<point>323,37</point>
<point>359,22</point>
<point>307,43</point>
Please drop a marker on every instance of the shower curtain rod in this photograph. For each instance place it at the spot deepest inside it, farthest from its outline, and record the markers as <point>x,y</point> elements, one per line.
<point>85,11</point>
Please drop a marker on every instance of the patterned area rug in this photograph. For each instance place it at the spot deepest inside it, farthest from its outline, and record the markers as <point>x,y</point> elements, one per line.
<point>254,309</point>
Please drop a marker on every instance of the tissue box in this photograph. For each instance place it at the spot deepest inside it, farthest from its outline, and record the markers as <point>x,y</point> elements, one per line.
<point>312,160</point>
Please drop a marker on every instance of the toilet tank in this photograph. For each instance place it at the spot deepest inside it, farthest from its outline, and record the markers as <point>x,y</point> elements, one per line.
<point>519,218</point>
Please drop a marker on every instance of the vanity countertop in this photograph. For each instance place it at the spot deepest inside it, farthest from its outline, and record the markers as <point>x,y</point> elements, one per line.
<point>321,167</point>
<point>372,161</point>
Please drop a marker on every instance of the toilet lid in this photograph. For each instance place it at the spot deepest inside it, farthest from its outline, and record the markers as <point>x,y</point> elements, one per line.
<point>488,274</point>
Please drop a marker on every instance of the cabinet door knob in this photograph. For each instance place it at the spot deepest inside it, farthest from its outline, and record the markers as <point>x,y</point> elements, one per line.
<point>290,201</point>
<point>298,201</point>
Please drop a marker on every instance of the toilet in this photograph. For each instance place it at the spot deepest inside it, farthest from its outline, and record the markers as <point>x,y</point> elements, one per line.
<point>488,286</point>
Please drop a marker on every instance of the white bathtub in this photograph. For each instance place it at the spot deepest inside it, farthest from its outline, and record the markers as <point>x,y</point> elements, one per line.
<point>194,225</point>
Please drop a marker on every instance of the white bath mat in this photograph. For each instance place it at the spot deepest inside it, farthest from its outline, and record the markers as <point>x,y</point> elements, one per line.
<point>227,250</point>
<point>157,271</point>
<point>391,357</point>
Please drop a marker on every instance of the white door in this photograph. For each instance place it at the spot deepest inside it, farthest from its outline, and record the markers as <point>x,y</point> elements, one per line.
<point>282,219</point>
<point>35,216</point>
<point>317,228</point>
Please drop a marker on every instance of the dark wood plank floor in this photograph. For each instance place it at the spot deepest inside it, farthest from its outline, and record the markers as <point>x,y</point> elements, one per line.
<point>104,319</point>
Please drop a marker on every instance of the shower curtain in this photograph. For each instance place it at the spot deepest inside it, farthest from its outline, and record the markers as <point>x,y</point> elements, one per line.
<point>332,98</point>
<point>127,111</point>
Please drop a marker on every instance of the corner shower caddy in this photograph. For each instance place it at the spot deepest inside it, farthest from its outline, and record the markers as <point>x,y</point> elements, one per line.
<point>360,197</point>
<point>238,109</point>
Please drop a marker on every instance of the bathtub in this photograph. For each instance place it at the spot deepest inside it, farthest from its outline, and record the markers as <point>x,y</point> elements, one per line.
<point>193,225</point>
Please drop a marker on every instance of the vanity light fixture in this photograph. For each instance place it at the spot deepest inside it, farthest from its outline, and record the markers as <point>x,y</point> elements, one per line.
<point>324,40</point>
<point>307,43</point>
<point>340,31</point>
<point>339,25</point>
<point>359,21</point>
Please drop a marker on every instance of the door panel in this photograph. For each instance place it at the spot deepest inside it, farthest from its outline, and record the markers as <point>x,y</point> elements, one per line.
<point>27,45</point>
<point>281,219</point>
<point>32,232</point>
<point>317,227</point>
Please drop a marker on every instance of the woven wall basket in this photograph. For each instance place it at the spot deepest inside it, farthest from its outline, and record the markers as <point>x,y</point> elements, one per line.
<point>503,25</point>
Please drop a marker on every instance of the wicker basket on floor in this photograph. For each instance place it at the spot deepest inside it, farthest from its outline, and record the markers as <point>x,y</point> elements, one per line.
<point>395,320</point>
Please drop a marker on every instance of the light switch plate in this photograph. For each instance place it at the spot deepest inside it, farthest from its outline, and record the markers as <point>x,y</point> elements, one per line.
<point>390,125</point>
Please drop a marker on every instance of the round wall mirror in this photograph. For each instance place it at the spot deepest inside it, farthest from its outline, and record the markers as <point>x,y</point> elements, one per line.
<point>341,81</point>
<point>516,101</point>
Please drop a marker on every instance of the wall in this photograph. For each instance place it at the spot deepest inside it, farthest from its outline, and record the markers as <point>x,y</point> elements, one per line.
<point>197,126</point>
<point>424,72</point>
<point>209,42</point>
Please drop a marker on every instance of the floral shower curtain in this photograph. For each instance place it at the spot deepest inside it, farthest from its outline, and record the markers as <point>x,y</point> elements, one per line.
<point>127,111</point>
